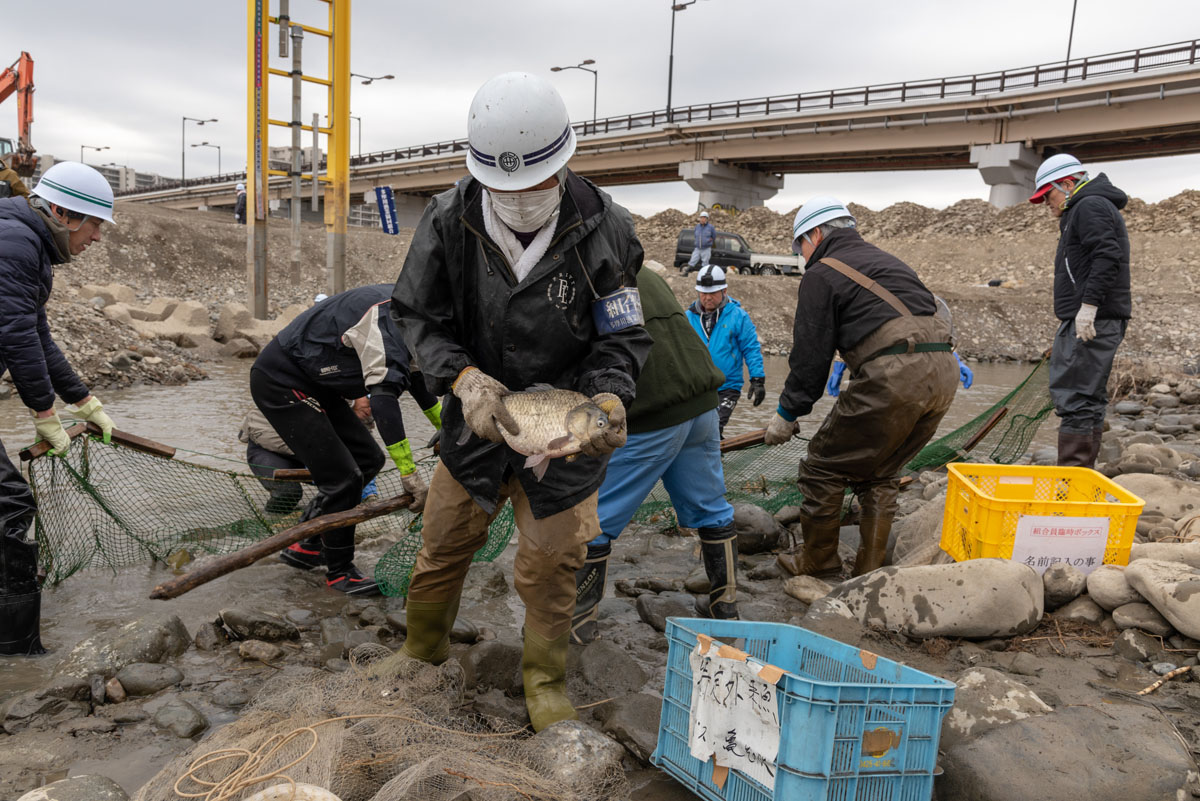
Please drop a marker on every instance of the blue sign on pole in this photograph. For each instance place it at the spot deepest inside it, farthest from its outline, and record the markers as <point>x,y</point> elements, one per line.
<point>386,199</point>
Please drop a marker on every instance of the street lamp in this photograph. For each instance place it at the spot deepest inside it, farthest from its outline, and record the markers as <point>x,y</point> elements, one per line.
<point>595,81</point>
<point>671,60</point>
<point>218,147</point>
<point>90,147</point>
<point>368,78</point>
<point>359,132</point>
<point>183,142</point>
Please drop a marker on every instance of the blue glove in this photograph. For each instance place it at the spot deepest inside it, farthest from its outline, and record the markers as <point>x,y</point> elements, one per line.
<point>964,373</point>
<point>835,380</point>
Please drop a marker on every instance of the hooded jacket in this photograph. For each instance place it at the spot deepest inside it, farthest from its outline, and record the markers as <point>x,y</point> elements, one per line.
<point>29,249</point>
<point>1092,262</point>
<point>734,341</point>
<point>458,304</point>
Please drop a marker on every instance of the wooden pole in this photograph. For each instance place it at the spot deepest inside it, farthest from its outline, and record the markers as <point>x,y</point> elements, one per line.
<point>120,437</point>
<point>276,542</point>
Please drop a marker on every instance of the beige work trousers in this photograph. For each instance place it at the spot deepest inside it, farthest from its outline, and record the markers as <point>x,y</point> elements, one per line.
<point>549,550</point>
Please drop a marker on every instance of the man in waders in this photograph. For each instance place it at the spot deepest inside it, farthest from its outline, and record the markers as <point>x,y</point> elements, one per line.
<point>61,220</point>
<point>1092,299</point>
<point>522,274</point>
<point>873,308</point>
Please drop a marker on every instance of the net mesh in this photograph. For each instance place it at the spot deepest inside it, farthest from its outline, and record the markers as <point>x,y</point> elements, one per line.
<point>113,506</point>
<point>388,729</point>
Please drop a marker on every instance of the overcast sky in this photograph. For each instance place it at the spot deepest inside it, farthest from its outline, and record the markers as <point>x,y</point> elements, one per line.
<point>122,73</point>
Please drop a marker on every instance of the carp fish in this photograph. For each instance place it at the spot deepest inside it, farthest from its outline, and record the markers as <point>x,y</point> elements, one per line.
<point>553,423</point>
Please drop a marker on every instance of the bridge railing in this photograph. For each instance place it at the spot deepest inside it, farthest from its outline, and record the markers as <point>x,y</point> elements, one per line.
<point>1057,73</point>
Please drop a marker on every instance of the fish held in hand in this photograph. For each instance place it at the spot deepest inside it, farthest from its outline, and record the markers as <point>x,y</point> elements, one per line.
<point>553,423</point>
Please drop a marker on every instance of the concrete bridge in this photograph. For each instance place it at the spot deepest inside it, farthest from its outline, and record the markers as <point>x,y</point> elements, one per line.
<point>1125,105</point>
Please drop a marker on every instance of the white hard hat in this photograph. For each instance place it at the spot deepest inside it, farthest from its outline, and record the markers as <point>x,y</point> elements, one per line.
<point>240,187</point>
<point>818,210</point>
<point>703,213</point>
<point>77,187</point>
<point>320,296</point>
<point>1054,169</point>
<point>710,279</point>
<point>518,131</point>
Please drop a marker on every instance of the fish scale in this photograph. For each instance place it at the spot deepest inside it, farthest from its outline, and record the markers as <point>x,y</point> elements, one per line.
<point>553,423</point>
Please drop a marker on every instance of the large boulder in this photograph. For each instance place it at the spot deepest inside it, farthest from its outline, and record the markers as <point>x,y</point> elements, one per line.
<point>1187,553</point>
<point>234,321</point>
<point>756,529</point>
<point>149,639</point>
<point>111,293</point>
<point>985,699</point>
<point>1109,588</point>
<point>1118,753</point>
<point>187,324</point>
<point>1171,588</point>
<point>253,624</point>
<point>1164,496</point>
<point>633,722</point>
<point>576,755</point>
<point>78,788</point>
<point>976,598</point>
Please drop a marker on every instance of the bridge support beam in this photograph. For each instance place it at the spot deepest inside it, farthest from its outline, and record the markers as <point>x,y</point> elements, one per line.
<point>726,185</point>
<point>1009,169</point>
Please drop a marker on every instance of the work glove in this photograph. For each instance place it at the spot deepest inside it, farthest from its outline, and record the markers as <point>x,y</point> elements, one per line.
<point>93,412</point>
<point>483,404</point>
<point>51,429</point>
<point>606,440</point>
<point>780,430</point>
<point>757,390</point>
<point>964,373</point>
<point>1085,323</point>
<point>414,485</point>
<point>834,387</point>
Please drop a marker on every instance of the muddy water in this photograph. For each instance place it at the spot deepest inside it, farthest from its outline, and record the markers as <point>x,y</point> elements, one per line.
<point>203,418</point>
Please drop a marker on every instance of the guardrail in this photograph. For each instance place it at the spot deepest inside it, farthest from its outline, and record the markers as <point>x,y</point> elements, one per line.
<point>1061,72</point>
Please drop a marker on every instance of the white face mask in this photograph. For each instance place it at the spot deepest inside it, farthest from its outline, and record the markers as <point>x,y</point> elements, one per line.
<point>525,212</point>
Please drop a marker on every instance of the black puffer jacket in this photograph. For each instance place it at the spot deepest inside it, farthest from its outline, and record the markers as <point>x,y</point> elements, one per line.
<point>28,254</point>
<point>457,304</point>
<point>1092,262</point>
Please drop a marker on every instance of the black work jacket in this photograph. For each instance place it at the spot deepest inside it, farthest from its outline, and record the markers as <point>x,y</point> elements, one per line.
<point>28,253</point>
<point>1092,262</point>
<point>458,304</point>
<point>834,313</point>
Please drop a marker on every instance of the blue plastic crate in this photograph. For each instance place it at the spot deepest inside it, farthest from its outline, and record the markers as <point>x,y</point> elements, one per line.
<point>831,694</point>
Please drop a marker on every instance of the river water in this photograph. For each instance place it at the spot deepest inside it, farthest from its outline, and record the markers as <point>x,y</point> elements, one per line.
<point>202,419</point>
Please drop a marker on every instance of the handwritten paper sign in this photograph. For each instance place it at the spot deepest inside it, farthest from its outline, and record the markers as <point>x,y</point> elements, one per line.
<point>1045,540</point>
<point>735,715</point>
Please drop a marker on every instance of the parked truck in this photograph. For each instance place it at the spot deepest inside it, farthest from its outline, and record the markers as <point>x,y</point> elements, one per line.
<point>731,251</point>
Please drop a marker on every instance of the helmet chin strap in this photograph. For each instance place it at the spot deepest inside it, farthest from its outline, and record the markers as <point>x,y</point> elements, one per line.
<point>60,214</point>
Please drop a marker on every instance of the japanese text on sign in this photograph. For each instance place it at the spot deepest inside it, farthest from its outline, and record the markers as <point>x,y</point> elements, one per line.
<point>734,715</point>
<point>1045,540</point>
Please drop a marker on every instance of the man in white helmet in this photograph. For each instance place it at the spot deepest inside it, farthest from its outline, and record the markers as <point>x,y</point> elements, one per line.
<point>1092,299</point>
<point>523,274</point>
<point>703,238</point>
<point>60,221</point>
<point>872,308</point>
<point>239,205</point>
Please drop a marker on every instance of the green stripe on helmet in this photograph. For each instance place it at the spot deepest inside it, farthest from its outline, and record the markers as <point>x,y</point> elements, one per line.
<point>797,227</point>
<point>66,190</point>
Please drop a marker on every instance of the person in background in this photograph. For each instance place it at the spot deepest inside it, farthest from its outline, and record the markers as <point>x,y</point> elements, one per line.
<point>60,221</point>
<point>732,340</point>
<point>703,239</point>
<point>872,307</point>
<point>523,274</point>
<point>1092,299</point>
<point>673,436</point>
<point>239,205</point>
<point>11,184</point>
<point>342,348</point>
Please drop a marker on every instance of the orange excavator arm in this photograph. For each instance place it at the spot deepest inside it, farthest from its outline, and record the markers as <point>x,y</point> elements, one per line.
<point>19,78</point>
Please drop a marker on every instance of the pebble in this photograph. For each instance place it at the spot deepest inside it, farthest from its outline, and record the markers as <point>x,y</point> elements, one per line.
<point>1163,668</point>
<point>252,650</point>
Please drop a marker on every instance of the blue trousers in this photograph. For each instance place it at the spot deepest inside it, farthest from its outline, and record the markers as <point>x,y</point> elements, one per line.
<point>687,457</point>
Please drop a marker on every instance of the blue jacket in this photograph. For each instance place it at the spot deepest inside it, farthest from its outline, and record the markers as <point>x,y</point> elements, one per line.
<point>28,254</point>
<point>705,235</point>
<point>734,340</point>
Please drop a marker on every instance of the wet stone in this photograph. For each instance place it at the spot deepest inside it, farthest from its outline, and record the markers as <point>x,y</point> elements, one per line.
<point>96,685</point>
<point>633,722</point>
<point>114,692</point>
<point>610,668</point>
<point>485,581</point>
<point>334,630</point>
<point>464,631</point>
<point>1082,610</point>
<point>358,637</point>
<point>1141,616</point>
<point>124,714</point>
<point>252,624</point>
<point>180,718</point>
<point>985,699</point>
<point>372,616</point>
<point>1136,646</point>
<point>78,788</point>
<point>149,639</point>
<point>697,581</point>
<point>657,585</point>
<point>301,618</point>
<point>1107,586</point>
<point>210,637</point>
<point>89,725</point>
<point>1163,668</point>
<point>806,589</point>
<point>655,609</point>
<point>142,678</point>
<point>259,651</point>
<point>1128,407</point>
<point>756,529</point>
<point>576,755</point>
<point>1062,584</point>
<point>230,694</point>
<point>493,664</point>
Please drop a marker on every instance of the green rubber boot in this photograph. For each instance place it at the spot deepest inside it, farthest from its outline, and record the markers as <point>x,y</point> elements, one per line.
<point>429,624</point>
<point>544,671</point>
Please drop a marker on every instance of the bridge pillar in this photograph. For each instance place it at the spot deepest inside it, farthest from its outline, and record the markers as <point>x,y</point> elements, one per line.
<point>727,185</point>
<point>1009,169</point>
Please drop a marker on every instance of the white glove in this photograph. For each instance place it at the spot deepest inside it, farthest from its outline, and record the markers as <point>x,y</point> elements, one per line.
<point>483,404</point>
<point>780,430</point>
<point>93,412</point>
<point>415,486</point>
<point>1085,323</point>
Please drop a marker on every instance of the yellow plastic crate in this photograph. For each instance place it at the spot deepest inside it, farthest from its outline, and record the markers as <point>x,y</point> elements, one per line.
<point>984,502</point>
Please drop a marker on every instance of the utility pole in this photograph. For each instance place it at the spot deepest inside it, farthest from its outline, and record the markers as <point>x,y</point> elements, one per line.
<point>256,154</point>
<point>337,194</point>
<point>297,150</point>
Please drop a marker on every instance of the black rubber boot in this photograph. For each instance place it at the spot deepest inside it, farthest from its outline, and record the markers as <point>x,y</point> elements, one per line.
<point>718,549</point>
<point>20,624</point>
<point>819,555</point>
<point>589,590</point>
<point>1077,450</point>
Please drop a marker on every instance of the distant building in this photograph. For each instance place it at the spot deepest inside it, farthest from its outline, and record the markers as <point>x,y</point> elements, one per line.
<point>119,176</point>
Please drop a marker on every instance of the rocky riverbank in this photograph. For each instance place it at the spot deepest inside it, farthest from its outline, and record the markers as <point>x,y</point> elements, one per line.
<point>1049,668</point>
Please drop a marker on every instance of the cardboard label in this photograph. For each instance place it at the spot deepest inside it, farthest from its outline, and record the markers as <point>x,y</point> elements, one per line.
<point>1045,540</point>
